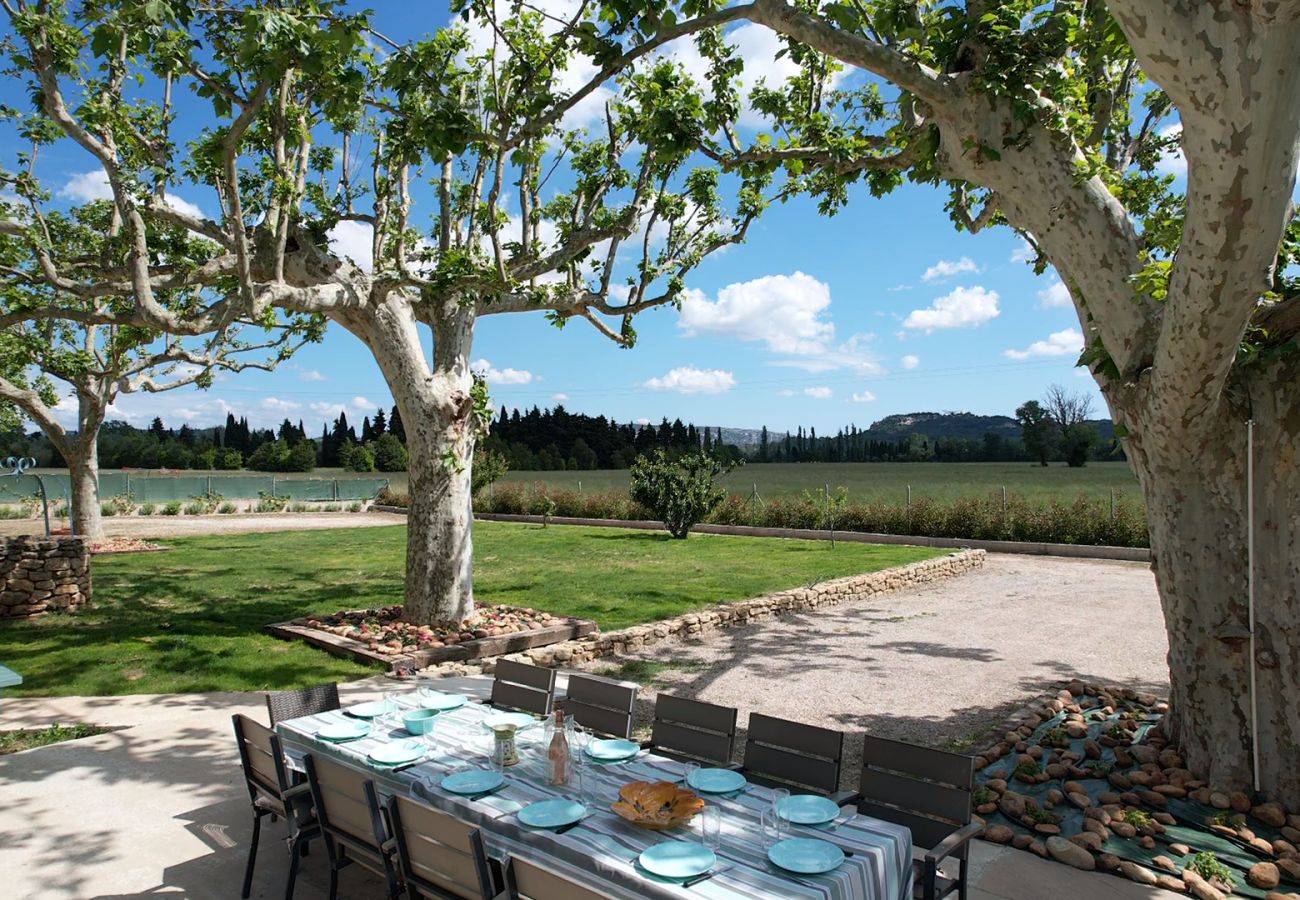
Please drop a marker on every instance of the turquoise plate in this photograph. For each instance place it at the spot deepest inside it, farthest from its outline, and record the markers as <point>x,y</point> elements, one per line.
<point>612,750</point>
<point>397,753</point>
<point>473,781</point>
<point>552,813</point>
<point>806,856</point>
<point>519,720</point>
<point>440,701</point>
<point>677,859</point>
<point>807,809</point>
<point>343,731</point>
<point>717,781</point>
<point>372,710</point>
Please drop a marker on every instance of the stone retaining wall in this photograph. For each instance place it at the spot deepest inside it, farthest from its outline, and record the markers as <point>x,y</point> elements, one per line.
<point>741,612</point>
<point>39,574</point>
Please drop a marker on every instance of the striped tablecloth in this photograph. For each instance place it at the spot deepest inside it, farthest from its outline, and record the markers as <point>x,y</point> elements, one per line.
<point>601,851</point>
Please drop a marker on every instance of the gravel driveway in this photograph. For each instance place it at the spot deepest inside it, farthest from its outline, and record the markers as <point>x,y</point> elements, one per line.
<point>198,526</point>
<point>937,665</point>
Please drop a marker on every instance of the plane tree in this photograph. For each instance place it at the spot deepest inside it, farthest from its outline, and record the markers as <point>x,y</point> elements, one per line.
<point>1063,121</point>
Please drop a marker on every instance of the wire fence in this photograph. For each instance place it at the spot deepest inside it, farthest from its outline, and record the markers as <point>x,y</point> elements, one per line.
<point>165,488</point>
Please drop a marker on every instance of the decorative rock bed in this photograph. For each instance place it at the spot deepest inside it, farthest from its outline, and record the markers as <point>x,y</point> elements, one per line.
<point>109,546</point>
<point>380,635</point>
<point>741,612</point>
<point>40,575</point>
<point>1087,777</point>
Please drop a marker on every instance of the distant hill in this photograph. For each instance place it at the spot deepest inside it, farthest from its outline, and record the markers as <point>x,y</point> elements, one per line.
<point>931,424</point>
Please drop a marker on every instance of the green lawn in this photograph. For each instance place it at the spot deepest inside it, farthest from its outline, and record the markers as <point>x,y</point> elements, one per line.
<point>887,481</point>
<point>191,619</point>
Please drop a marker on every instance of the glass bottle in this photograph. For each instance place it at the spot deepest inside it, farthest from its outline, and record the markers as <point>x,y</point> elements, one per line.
<point>558,758</point>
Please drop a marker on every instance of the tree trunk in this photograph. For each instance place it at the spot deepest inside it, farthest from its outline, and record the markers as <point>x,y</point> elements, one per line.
<point>1196,498</point>
<point>436,406</point>
<point>83,477</point>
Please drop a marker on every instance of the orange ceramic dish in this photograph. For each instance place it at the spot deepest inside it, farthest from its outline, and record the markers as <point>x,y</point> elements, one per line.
<point>657,805</point>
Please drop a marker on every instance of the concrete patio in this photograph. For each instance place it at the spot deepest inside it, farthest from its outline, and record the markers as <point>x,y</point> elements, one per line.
<point>159,808</point>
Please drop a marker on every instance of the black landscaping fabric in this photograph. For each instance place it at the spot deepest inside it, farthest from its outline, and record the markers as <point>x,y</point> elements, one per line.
<point>1193,819</point>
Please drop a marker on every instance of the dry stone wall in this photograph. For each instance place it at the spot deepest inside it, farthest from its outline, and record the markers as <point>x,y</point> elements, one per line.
<point>40,574</point>
<point>729,615</point>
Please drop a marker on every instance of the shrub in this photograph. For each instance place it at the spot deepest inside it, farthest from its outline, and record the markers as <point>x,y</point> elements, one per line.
<point>356,459</point>
<point>172,508</point>
<point>31,506</point>
<point>229,459</point>
<point>488,466</point>
<point>204,504</point>
<point>12,512</point>
<point>680,493</point>
<point>193,509</point>
<point>122,505</point>
<point>1208,866</point>
<point>106,509</point>
<point>270,503</point>
<point>387,497</point>
<point>297,507</point>
<point>355,506</point>
<point>390,455</point>
<point>147,509</point>
<point>280,456</point>
<point>330,507</point>
<point>226,509</point>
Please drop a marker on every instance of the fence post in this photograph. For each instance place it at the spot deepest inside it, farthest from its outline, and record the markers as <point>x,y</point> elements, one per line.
<point>336,490</point>
<point>209,485</point>
<point>1112,504</point>
<point>1004,499</point>
<point>579,485</point>
<point>272,485</point>
<point>909,509</point>
<point>127,489</point>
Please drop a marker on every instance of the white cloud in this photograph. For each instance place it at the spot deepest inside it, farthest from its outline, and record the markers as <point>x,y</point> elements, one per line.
<point>1172,161</point>
<point>278,405</point>
<point>559,398</point>
<point>690,380</point>
<point>946,268</point>
<point>329,410</point>
<point>963,307</point>
<point>1055,296</point>
<point>1023,253</point>
<point>359,402</point>
<point>821,392</point>
<point>311,375</point>
<point>93,185</point>
<point>643,421</point>
<point>785,392</point>
<point>500,376</point>
<point>355,240</point>
<point>787,313</point>
<point>1058,343</point>
<point>910,361</point>
<point>900,287</point>
<point>864,397</point>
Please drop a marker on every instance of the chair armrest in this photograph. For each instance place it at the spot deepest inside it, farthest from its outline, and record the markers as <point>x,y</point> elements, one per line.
<point>844,798</point>
<point>297,791</point>
<point>953,842</point>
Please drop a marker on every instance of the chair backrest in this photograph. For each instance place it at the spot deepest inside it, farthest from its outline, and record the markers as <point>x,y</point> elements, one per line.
<point>600,704</point>
<point>440,855</point>
<point>517,685</point>
<point>307,701</point>
<point>347,808</point>
<point>692,728</point>
<point>262,759</point>
<point>529,881</point>
<point>927,790</point>
<point>803,756</point>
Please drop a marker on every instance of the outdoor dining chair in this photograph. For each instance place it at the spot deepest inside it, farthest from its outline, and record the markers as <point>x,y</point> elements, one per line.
<point>347,808</point>
<point>308,701</point>
<point>601,705</point>
<point>272,794</point>
<point>529,881</point>
<point>440,856</point>
<point>692,730</point>
<point>517,685</point>
<point>929,791</point>
<point>803,758</point>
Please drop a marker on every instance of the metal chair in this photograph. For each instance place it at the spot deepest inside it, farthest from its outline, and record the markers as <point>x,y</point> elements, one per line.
<point>601,705</point>
<point>529,881</point>
<point>929,791</point>
<point>347,807</point>
<point>307,701</point>
<point>516,685</point>
<point>803,758</point>
<point>273,794</point>
<point>440,856</point>
<point>693,730</point>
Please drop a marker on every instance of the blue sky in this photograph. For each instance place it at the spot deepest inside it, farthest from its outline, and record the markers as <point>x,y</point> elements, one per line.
<point>818,321</point>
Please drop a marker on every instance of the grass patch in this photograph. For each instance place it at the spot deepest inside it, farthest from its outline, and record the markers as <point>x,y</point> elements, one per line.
<point>651,673</point>
<point>190,620</point>
<point>30,738</point>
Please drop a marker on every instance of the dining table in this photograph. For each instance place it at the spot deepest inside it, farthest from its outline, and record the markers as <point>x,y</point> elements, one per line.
<point>602,850</point>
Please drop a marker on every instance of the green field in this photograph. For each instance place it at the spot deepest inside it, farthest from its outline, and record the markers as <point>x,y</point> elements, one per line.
<point>889,481</point>
<point>191,619</point>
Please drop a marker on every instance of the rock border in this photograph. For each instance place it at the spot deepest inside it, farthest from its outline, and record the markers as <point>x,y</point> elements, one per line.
<point>43,574</point>
<point>740,612</point>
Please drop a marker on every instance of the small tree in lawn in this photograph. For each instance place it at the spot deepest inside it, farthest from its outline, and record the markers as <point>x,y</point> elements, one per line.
<point>680,493</point>
<point>1037,430</point>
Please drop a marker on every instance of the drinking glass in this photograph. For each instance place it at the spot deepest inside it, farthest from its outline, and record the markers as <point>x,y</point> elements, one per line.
<point>711,826</point>
<point>780,806</point>
<point>689,770</point>
<point>769,826</point>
